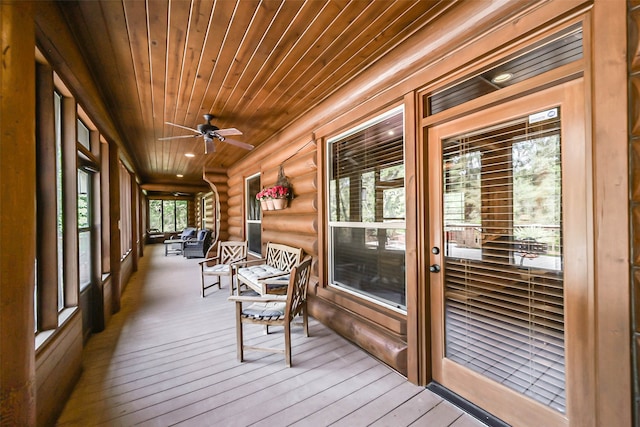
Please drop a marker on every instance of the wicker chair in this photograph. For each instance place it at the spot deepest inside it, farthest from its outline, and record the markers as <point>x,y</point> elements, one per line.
<point>275,310</point>
<point>220,265</point>
<point>198,247</point>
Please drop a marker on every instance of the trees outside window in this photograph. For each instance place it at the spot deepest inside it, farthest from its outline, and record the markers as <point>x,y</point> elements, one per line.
<point>168,216</point>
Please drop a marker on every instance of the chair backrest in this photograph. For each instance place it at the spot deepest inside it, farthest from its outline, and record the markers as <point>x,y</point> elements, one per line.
<point>232,251</point>
<point>188,232</point>
<point>283,257</point>
<point>297,290</point>
<point>202,234</point>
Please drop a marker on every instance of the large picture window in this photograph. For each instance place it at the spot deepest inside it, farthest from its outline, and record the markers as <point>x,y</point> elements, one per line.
<point>366,210</point>
<point>168,216</point>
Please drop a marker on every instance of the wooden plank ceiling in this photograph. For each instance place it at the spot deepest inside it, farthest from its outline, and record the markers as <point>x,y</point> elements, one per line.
<point>255,65</point>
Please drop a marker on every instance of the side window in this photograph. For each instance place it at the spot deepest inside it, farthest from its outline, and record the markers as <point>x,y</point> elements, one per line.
<point>253,215</point>
<point>84,228</point>
<point>366,210</point>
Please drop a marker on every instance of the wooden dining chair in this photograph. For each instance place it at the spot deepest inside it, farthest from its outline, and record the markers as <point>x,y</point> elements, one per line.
<point>275,310</point>
<point>220,265</point>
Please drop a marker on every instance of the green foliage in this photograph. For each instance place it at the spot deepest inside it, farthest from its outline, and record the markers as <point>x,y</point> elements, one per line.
<point>168,215</point>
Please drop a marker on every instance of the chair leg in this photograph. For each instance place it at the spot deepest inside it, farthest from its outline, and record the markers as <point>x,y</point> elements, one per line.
<point>239,338</point>
<point>202,282</point>
<point>305,320</point>
<point>287,344</point>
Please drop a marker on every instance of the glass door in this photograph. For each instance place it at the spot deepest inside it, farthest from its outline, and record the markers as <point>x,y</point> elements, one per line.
<point>510,207</point>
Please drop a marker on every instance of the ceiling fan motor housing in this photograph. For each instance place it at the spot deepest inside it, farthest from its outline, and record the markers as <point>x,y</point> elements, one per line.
<point>207,128</point>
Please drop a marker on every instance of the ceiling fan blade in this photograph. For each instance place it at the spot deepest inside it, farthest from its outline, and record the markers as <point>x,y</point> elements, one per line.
<point>209,146</point>
<point>176,137</point>
<point>238,144</point>
<point>228,132</point>
<point>183,127</point>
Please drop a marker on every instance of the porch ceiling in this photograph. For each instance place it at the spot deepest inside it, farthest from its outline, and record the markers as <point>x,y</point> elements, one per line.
<point>254,65</point>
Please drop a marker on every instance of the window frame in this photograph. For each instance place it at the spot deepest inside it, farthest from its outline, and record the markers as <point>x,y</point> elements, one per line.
<point>249,222</point>
<point>56,279</point>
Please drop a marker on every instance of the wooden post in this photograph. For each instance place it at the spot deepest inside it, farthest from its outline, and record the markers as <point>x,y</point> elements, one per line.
<point>114,225</point>
<point>17,207</point>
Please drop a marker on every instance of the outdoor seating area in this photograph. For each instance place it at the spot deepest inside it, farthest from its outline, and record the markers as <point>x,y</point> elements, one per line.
<point>150,376</point>
<point>190,243</point>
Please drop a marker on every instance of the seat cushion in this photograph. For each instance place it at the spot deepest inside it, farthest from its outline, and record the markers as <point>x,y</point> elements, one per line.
<point>253,273</point>
<point>265,311</point>
<point>216,269</point>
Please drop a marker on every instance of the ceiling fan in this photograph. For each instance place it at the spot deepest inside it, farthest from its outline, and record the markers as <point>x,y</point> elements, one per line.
<point>210,133</point>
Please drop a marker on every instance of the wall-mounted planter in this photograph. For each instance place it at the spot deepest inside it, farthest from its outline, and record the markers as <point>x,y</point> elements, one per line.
<point>274,204</point>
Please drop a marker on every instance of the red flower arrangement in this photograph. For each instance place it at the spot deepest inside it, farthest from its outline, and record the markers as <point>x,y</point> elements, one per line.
<point>275,192</point>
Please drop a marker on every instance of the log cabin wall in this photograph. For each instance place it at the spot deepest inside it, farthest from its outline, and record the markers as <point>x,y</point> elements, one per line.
<point>440,57</point>
<point>296,225</point>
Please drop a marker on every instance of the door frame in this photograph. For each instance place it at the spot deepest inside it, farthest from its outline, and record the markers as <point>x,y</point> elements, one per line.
<point>579,307</point>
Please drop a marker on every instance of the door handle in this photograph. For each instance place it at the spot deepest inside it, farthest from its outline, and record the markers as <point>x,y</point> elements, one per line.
<point>434,268</point>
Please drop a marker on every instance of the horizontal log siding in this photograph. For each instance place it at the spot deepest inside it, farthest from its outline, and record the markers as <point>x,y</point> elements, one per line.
<point>217,181</point>
<point>297,225</point>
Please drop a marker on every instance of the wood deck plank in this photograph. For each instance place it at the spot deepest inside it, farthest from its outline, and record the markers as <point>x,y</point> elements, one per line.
<point>169,358</point>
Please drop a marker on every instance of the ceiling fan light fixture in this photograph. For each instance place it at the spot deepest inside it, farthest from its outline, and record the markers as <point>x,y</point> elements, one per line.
<point>189,155</point>
<point>502,77</point>
<point>180,175</point>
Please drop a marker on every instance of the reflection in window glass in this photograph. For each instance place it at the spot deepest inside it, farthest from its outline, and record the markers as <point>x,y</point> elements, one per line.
<point>366,203</point>
<point>502,199</point>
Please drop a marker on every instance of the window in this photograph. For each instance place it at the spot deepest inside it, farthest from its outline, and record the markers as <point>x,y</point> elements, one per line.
<point>84,229</point>
<point>59,206</point>
<point>367,210</point>
<point>84,137</point>
<point>126,213</point>
<point>168,216</point>
<point>254,218</point>
<point>505,195</point>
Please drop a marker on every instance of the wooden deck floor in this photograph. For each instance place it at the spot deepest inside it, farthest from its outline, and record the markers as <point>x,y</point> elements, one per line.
<point>169,358</point>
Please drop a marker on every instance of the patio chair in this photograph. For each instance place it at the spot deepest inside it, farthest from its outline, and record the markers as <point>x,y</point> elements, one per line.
<point>220,265</point>
<point>275,310</point>
<point>198,247</point>
<point>263,275</point>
